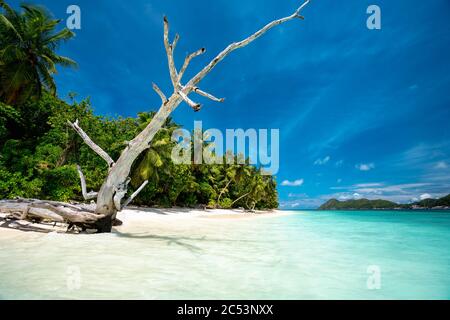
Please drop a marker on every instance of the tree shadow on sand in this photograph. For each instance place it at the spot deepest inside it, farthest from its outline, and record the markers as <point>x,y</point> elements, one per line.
<point>159,210</point>
<point>178,240</point>
<point>170,240</point>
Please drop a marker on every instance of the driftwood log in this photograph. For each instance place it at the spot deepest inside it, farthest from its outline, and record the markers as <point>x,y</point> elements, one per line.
<point>110,197</point>
<point>36,210</point>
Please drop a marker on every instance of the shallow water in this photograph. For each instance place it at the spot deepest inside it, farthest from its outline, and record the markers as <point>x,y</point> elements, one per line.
<point>306,255</point>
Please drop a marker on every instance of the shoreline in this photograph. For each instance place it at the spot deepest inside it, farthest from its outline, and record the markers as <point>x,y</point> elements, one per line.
<point>164,218</point>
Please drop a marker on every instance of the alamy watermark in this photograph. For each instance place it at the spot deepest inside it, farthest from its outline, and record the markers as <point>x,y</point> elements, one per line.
<point>73,278</point>
<point>213,147</point>
<point>74,19</point>
<point>374,20</point>
<point>374,278</point>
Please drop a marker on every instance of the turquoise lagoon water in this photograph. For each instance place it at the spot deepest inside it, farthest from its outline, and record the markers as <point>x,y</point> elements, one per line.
<point>306,255</point>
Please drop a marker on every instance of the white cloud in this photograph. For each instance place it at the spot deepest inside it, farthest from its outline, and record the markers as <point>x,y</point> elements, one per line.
<point>402,193</point>
<point>305,203</point>
<point>420,156</point>
<point>339,163</point>
<point>297,195</point>
<point>347,196</point>
<point>375,188</point>
<point>323,161</point>
<point>365,166</point>
<point>296,183</point>
<point>425,196</point>
<point>368,185</point>
<point>441,165</point>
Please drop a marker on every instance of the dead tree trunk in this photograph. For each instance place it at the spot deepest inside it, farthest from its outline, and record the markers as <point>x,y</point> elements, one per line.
<point>114,188</point>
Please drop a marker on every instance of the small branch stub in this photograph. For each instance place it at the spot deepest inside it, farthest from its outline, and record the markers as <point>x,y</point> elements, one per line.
<point>160,93</point>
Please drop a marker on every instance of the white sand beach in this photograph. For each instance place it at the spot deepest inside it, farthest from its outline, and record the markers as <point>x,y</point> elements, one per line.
<point>133,218</point>
<point>228,254</point>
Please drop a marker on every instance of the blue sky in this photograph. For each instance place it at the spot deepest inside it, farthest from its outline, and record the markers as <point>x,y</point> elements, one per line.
<point>361,113</point>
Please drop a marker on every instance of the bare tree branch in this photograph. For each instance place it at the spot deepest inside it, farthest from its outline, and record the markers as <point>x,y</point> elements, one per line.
<point>169,52</point>
<point>159,92</point>
<point>174,43</point>
<point>187,60</point>
<point>194,105</point>
<point>91,143</point>
<point>297,12</point>
<point>236,45</point>
<point>86,195</point>
<point>128,201</point>
<point>208,95</point>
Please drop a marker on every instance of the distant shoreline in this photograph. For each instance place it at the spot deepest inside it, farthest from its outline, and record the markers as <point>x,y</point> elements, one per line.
<point>381,204</point>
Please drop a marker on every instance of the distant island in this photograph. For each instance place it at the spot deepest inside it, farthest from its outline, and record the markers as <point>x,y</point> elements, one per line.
<point>380,204</point>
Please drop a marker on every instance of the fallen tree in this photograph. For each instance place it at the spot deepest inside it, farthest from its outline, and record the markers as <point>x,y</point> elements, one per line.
<point>110,197</point>
<point>35,210</point>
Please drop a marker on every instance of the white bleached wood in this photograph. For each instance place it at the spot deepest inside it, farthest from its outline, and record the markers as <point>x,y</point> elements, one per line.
<point>187,60</point>
<point>120,192</point>
<point>49,210</point>
<point>208,95</point>
<point>169,53</point>
<point>86,195</point>
<point>91,143</point>
<point>159,92</point>
<point>194,105</point>
<point>174,43</point>
<point>128,201</point>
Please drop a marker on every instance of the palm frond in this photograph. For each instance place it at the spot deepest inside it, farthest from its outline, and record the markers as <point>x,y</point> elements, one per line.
<point>5,21</point>
<point>46,78</point>
<point>64,61</point>
<point>64,34</point>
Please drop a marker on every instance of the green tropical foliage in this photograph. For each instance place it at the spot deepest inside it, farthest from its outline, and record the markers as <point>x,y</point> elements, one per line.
<point>433,203</point>
<point>359,204</point>
<point>28,41</point>
<point>363,204</point>
<point>39,153</point>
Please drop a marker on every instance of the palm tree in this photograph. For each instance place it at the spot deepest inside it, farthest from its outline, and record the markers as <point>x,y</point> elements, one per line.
<point>244,172</point>
<point>158,155</point>
<point>28,41</point>
<point>228,177</point>
<point>234,173</point>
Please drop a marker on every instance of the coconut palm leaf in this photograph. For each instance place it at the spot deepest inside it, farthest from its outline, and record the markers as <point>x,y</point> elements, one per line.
<point>28,57</point>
